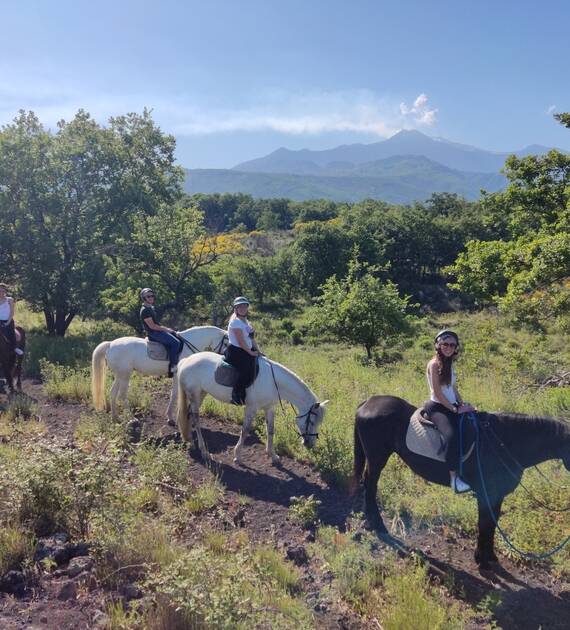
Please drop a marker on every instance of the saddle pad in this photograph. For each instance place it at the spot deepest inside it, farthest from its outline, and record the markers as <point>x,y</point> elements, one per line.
<point>227,374</point>
<point>156,351</point>
<point>424,440</point>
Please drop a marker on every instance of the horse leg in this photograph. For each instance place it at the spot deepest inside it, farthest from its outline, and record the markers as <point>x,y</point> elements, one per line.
<point>485,552</point>
<point>375,465</point>
<point>245,429</point>
<point>270,424</point>
<point>195,401</point>
<point>171,411</point>
<point>119,391</point>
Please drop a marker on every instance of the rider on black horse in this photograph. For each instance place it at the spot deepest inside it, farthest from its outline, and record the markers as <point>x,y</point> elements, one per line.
<point>445,403</point>
<point>7,326</point>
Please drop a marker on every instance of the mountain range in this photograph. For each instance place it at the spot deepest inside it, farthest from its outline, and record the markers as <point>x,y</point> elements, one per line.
<point>407,167</point>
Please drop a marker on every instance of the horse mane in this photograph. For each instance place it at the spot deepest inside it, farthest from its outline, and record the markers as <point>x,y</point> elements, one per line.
<point>551,426</point>
<point>290,373</point>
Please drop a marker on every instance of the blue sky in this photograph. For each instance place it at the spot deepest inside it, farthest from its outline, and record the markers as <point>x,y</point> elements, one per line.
<point>234,80</point>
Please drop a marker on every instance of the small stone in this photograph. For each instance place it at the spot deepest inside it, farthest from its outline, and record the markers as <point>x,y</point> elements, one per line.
<point>78,565</point>
<point>67,591</point>
<point>131,591</point>
<point>100,619</point>
<point>43,619</point>
<point>320,607</point>
<point>297,554</point>
<point>13,582</point>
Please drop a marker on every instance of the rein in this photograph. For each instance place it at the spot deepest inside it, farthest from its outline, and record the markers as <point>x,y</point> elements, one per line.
<point>529,556</point>
<point>194,349</point>
<point>297,417</point>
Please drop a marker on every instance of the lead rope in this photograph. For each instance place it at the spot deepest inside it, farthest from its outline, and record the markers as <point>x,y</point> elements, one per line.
<point>525,554</point>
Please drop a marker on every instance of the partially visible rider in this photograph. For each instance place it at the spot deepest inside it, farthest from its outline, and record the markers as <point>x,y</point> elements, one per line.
<point>445,403</point>
<point>242,349</point>
<point>7,312</point>
<point>150,318</point>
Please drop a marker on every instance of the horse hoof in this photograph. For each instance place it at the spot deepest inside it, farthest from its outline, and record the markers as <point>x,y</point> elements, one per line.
<point>275,460</point>
<point>237,460</point>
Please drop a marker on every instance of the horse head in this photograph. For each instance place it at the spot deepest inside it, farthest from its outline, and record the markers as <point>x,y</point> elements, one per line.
<point>308,423</point>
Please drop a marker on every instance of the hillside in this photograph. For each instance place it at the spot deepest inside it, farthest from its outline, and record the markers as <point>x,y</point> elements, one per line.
<point>451,154</point>
<point>397,179</point>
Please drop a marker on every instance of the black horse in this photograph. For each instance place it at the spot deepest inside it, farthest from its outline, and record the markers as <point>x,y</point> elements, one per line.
<point>508,443</point>
<point>10,362</point>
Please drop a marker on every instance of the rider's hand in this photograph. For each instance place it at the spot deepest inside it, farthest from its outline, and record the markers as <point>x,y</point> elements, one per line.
<point>466,408</point>
<point>254,353</point>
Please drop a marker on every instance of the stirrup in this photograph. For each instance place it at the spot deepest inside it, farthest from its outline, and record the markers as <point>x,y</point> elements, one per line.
<point>459,486</point>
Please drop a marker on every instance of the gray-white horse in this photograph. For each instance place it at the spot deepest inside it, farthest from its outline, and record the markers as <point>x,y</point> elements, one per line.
<point>126,354</point>
<point>274,382</point>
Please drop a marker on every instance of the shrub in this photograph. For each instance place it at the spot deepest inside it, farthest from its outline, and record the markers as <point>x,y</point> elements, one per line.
<point>304,510</point>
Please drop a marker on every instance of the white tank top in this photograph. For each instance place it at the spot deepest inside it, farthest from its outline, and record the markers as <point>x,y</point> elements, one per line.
<point>447,390</point>
<point>5,310</point>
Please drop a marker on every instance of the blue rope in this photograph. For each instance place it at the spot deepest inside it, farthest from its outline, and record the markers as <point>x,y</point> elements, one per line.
<point>529,556</point>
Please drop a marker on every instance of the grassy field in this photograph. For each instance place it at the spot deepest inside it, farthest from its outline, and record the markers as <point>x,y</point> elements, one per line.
<point>500,369</point>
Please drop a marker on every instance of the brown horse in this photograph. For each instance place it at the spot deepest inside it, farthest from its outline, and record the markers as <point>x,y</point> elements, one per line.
<point>10,362</point>
<point>508,443</point>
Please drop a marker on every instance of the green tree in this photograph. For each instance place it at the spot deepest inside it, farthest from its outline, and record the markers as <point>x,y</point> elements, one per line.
<point>66,196</point>
<point>361,309</point>
<point>319,251</point>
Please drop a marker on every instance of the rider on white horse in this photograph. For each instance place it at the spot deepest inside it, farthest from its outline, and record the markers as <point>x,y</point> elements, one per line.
<point>242,350</point>
<point>7,312</point>
<point>155,332</point>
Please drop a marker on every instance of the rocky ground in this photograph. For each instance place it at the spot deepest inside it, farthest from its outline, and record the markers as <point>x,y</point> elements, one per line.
<point>70,596</point>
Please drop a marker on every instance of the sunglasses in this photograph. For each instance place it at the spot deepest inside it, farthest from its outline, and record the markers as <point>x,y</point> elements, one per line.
<point>448,344</point>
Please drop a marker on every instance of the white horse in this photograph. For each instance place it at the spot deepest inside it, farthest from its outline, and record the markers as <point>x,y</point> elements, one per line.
<point>273,383</point>
<point>126,354</point>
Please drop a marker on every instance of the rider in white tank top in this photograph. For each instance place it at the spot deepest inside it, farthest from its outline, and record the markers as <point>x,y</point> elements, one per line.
<point>5,311</point>
<point>447,389</point>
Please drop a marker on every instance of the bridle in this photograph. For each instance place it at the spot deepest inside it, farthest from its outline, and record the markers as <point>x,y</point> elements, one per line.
<point>312,410</point>
<point>307,417</point>
<point>219,349</point>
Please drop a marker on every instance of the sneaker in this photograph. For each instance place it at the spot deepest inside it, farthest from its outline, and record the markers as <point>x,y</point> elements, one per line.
<point>174,369</point>
<point>459,486</point>
<point>19,351</point>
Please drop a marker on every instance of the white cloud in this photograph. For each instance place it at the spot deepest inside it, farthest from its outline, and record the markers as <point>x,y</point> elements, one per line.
<point>309,113</point>
<point>551,110</point>
<point>419,112</point>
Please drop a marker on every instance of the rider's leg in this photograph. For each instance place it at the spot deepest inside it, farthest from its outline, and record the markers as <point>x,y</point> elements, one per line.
<point>448,430</point>
<point>170,342</point>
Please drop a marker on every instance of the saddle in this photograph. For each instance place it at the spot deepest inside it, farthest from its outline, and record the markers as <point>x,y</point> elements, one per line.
<point>155,350</point>
<point>423,438</point>
<point>227,374</point>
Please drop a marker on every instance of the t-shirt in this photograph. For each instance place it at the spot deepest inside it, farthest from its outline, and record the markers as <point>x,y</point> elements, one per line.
<point>237,324</point>
<point>147,310</point>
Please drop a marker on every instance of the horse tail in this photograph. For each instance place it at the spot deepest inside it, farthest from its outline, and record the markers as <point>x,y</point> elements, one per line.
<point>182,411</point>
<point>359,458</point>
<point>98,372</point>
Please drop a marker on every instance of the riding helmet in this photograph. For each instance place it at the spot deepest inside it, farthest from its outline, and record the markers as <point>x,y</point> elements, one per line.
<point>240,300</point>
<point>145,291</point>
<point>446,333</point>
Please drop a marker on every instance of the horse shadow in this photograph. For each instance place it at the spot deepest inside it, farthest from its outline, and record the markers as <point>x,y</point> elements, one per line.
<point>524,608</point>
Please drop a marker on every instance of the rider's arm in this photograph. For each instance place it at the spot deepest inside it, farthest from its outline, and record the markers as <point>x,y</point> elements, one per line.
<point>12,304</point>
<point>436,385</point>
<point>240,335</point>
<point>153,326</point>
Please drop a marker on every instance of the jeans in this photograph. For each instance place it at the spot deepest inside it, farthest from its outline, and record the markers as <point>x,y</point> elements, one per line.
<point>169,341</point>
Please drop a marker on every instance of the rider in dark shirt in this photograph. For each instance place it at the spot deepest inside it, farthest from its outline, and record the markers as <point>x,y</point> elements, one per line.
<point>150,320</point>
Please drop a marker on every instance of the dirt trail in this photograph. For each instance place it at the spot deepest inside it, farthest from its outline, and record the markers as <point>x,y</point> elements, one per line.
<point>530,598</point>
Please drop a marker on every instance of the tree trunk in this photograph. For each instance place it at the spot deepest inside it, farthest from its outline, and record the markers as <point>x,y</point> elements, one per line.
<point>57,322</point>
<point>50,321</point>
<point>369,352</point>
